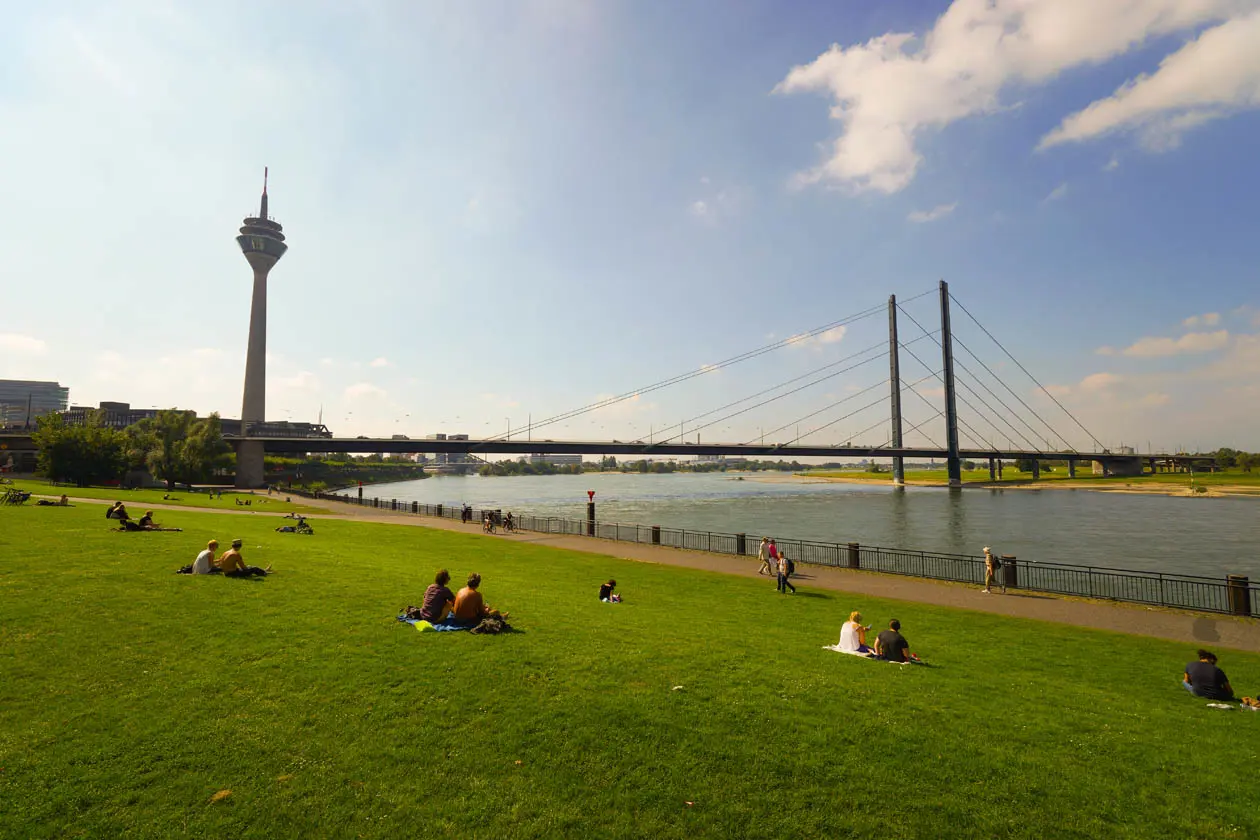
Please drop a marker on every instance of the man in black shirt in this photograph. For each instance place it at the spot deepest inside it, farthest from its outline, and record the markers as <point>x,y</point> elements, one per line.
<point>891,645</point>
<point>1204,679</point>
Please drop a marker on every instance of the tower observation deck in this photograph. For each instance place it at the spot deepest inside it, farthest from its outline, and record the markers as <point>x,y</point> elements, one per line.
<point>262,242</point>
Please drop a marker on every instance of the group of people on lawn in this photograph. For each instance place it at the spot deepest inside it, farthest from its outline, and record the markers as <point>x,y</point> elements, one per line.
<point>889,645</point>
<point>775,562</point>
<point>126,523</point>
<point>465,609</point>
<point>229,564</point>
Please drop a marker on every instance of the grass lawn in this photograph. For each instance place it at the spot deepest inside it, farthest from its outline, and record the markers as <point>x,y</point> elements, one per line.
<point>131,696</point>
<point>137,499</point>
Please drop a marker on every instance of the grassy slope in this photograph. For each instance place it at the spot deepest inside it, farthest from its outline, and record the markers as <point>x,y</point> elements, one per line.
<point>137,499</point>
<point>131,695</point>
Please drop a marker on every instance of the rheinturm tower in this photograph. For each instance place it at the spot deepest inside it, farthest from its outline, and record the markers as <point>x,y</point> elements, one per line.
<point>262,243</point>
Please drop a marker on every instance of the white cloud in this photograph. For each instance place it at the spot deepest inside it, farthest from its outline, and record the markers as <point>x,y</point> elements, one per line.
<point>1097,382</point>
<point>379,362</point>
<point>1112,165</point>
<point>1210,319</point>
<point>938,212</point>
<point>1155,398</point>
<point>1208,78</point>
<point>833,335</point>
<point>1056,194</point>
<point>22,344</point>
<point>699,208</point>
<point>896,87</point>
<point>1200,342</point>
<point>361,390</point>
<point>1106,350</point>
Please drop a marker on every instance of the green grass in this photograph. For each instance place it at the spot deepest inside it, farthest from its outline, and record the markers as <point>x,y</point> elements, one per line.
<point>136,499</point>
<point>129,696</point>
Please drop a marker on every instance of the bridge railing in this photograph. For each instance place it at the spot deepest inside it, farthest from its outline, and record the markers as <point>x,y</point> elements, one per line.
<point>1237,596</point>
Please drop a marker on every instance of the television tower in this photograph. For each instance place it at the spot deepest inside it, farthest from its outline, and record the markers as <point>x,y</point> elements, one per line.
<point>262,243</point>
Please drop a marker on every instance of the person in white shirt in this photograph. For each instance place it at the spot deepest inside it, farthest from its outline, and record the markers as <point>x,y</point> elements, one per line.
<point>853,635</point>
<point>204,564</point>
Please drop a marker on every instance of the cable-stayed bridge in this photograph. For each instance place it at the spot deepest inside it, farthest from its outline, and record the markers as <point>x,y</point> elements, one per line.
<point>997,422</point>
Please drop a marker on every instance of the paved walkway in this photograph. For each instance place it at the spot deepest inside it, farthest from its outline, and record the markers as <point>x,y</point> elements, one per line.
<point>1193,629</point>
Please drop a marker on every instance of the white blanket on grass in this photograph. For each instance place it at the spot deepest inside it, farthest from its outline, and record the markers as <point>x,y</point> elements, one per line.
<point>872,657</point>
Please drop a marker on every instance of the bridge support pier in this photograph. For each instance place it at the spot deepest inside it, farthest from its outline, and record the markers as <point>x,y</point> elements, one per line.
<point>1036,469</point>
<point>1071,468</point>
<point>999,469</point>
<point>992,469</point>
<point>249,465</point>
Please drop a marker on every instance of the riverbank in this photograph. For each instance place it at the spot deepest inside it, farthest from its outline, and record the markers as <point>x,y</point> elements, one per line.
<point>1139,486</point>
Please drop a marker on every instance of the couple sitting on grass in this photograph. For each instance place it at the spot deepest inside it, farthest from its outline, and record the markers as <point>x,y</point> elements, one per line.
<point>125,523</point>
<point>467,609</point>
<point>231,564</point>
<point>890,645</point>
<point>1204,679</point>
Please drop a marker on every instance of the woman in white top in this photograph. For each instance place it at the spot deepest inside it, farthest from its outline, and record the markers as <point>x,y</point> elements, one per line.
<point>853,635</point>
<point>204,564</point>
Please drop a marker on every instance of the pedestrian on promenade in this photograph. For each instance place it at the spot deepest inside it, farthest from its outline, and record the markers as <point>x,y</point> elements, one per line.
<point>764,556</point>
<point>785,567</point>
<point>991,566</point>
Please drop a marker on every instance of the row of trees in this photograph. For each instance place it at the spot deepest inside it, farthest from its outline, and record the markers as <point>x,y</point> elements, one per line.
<point>175,446</point>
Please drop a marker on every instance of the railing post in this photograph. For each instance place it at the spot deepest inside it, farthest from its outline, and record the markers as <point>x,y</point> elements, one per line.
<point>1238,587</point>
<point>855,557</point>
<point>741,543</point>
<point>656,535</point>
<point>439,510</point>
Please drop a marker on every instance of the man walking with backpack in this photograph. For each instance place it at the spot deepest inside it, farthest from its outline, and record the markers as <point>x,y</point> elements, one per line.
<point>991,566</point>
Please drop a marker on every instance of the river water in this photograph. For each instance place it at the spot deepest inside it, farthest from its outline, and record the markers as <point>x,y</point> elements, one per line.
<point>1185,535</point>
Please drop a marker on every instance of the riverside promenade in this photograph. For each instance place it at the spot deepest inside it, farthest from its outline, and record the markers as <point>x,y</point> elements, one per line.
<point>1193,629</point>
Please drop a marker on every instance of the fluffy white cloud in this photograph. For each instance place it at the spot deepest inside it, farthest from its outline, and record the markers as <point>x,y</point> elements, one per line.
<point>890,90</point>
<point>24,344</point>
<point>938,212</point>
<point>1096,382</point>
<point>699,208</point>
<point>1210,319</point>
<point>1194,342</point>
<point>833,335</point>
<point>1208,78</point>
<point>379,362</point>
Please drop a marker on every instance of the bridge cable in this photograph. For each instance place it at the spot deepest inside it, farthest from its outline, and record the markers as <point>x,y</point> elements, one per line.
<point>995,413</point>
<point>821,410</point>
<point>1053,431</point>
<point>683,377</point>
<point>1025,370</point>
<point>888,443</point>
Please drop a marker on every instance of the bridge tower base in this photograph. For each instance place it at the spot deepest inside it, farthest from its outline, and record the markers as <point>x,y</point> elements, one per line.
<point>249,465</point>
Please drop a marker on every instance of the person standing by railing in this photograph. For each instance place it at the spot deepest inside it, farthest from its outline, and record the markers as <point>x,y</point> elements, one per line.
<point>991,566</point>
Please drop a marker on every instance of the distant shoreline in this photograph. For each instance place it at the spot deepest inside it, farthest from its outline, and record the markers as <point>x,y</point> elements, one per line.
<point>1149,489</point>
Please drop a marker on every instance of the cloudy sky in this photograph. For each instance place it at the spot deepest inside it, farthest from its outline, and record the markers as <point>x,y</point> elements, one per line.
<point>500,211</point>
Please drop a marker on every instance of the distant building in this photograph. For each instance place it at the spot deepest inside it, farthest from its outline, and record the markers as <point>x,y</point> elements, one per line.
<point>556,460</point>
<point>114,415</point>
<point>446,458</point>
<point>120,415</point>
<point>22,400</point>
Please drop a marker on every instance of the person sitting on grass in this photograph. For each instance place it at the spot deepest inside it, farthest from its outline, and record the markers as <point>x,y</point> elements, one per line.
<point>892,646</point>
<point>606,593</point>
<point>233,565</point>
<point>204,564</point>
<point>1204,679</point>
<point>853,636</point>
<point>470,609</point>
<point>62,502</point>
<point>118,511</point>
<point>438,599</point>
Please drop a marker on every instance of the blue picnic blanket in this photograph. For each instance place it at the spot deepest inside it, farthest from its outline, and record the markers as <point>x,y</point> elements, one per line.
<point>424,626</point>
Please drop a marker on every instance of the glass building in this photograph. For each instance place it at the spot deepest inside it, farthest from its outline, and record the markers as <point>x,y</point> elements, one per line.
<point>21,401</point>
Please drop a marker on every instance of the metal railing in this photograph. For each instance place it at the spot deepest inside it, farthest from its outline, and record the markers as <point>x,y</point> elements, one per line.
<point>1231,595</point>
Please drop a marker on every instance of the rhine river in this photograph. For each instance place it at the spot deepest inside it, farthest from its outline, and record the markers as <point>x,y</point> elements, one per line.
<point>1185,535</point>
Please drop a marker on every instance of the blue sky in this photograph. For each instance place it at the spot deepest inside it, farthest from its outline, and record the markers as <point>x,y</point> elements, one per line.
<point>509,209</point>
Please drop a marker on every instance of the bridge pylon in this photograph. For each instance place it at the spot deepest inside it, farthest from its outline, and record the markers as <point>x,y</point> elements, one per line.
<point>952,461</point>
<point>894,372</point>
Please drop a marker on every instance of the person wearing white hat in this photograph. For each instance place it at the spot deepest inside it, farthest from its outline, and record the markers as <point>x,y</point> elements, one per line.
<point>991,565</point>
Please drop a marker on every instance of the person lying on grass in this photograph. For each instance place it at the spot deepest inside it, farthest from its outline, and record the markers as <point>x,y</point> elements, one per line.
<point>233,565</point>
<point>62,502</point>
<point>438,599</point>
<point>470,609</point>
<point>204,564</point>
<point>892,646</point>
<point>853,635</point>
<point>1204,679</point>
<point>606,593</point>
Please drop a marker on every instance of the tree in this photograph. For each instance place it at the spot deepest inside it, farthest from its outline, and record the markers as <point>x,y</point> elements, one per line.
<point>176,446</point>
<point>85,454</point>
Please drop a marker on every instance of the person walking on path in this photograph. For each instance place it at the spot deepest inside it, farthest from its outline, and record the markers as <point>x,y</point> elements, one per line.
<point>784,566</point>
<point>991,565</point>
<point>764,556</point>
